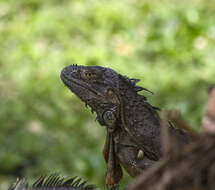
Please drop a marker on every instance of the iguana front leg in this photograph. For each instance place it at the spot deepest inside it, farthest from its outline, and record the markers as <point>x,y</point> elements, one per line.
<point>130,156</point>
<point>125,149</point>
<point>131,160</point>
<point>114,171</point>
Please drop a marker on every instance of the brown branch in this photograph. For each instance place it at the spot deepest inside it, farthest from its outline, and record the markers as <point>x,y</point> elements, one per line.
<point>192,168</point>
<point>208,122</point>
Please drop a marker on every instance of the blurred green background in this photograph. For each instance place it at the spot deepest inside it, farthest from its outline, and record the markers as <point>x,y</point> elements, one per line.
<point>44,128</point>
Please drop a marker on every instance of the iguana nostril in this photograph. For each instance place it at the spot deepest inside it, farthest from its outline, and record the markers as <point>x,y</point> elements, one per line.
<point>74,73</point>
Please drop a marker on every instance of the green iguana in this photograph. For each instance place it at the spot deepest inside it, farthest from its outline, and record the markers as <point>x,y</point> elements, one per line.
<point>133,125</point>
<point>53,182</point>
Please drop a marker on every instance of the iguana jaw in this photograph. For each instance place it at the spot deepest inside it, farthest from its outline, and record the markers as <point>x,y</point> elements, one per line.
<point>71,77</point>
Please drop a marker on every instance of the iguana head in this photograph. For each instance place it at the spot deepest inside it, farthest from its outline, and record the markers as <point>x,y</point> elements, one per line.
<point>96,86</point>
<point>101,88</point>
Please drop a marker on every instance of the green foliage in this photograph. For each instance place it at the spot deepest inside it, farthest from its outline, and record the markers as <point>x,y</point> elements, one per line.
<point>45,128</point>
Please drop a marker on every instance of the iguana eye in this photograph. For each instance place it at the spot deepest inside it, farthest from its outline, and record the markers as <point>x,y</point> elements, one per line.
<point>88,75</point>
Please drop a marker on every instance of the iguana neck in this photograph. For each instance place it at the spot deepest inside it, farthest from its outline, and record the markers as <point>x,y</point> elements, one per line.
<point>135,113</point>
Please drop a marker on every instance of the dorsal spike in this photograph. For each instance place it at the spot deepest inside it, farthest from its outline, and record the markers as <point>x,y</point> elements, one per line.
<point>60,181</point>
<point>139,88</point>
<point>52,180</point>
<point>76,183</point>
<point>69,181</point>
<point>134,81</point>
<point>48,180</point>
<point>19,184</point>
<point>40,181</point>
<point>83,183</point>
<point>57,178</point>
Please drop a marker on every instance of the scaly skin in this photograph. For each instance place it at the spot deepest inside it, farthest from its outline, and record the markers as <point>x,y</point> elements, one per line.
<point>53,182</point>
<point>133,125</point>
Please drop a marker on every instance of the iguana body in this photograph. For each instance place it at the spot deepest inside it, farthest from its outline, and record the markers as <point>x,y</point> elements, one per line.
<point>133,125</point>
<point>52,182</point>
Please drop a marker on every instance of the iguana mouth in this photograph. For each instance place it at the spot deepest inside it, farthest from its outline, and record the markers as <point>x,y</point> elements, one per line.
<point>71,78</point>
